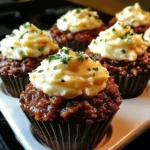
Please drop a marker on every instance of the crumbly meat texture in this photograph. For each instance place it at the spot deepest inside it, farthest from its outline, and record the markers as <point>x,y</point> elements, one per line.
<point>140,66</point>
<point>82,36</point>
<point>9,66</point>
<point>138,30</point>
<point>42,107</point>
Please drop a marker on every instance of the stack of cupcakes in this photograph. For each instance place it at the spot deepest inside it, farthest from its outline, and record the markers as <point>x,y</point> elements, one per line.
<point>21,52</point>
<point>70,101</point>
<point>77,28</point>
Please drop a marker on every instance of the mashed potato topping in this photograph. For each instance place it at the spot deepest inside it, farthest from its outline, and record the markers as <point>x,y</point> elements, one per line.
<point>28,41</point>
<point>69,74</point>
<point>78,20</point>
<point>134,16</point>
<point>119,43</point>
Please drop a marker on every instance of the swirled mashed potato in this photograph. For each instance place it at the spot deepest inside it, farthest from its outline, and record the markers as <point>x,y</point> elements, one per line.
<point>69,74</point>
<point>28,41</point>
<point>119,43</point>
<point>134,16</point>
<point>78,20</point>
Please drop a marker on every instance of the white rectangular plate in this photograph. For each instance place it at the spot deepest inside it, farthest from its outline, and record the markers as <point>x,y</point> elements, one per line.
<point>131,120</point>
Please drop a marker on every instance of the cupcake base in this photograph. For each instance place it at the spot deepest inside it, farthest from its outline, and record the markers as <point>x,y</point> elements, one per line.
<point>75,45</point>
<point>66,136</point>
<point>131,87</point>
<point>14,85</point>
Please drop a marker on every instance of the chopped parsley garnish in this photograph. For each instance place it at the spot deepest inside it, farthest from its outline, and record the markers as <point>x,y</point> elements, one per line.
<point>64,19</point>
<point>21,52</point>
<point>27,25</point>
<point>41,32</point>
<point>55,67</point>
<point>94,42</point>
<point>89,69</point>
<point>78,10</point>
<point>64,60</point>
<point>51,57</point>
<point>21,37</point>
<point>89,9</point>
<point>130,9</point>
<point>12,34</point>
<point>127,33</point>
<point>113,29</point>
<point>95,69</point>
<point>34,31</point>
<point>66,51</point>
<point>62,80</point>
<point>129,39</point>
<point>40,71</point>
<point>12,47</point>
<point>123,51</point>
<point>96,17</point>
<point>41,48</point>
<point>86,58</point>
<point>80,58</point>
<point>34,70</point>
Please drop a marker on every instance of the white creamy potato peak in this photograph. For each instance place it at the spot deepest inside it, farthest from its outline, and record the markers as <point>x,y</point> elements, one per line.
<point>69,74</point>
<point>27,41</point>
<point>78,20</point>
<point>119,42</point>
<point>134,16</point>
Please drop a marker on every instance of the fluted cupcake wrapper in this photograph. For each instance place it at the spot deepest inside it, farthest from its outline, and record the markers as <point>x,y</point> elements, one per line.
<point>66,136</point>
<point>74,45</point>
<point>131,87</point>
<point>14,85</point>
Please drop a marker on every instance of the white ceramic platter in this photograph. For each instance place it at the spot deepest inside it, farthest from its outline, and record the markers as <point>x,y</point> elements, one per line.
<point>131,120</point>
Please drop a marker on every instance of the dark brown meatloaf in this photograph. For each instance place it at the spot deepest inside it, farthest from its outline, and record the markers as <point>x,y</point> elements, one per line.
<point>124,68</point>
<point>82,36</point>
<point>138,30</point>
<point>19,68</point>
<point>79,109</point>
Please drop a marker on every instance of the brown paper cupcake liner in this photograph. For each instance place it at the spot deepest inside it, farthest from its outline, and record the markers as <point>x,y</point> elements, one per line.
<point>74,45</point>
<point>66,136</point>
<point>131,87</point>
<point>14,85</point>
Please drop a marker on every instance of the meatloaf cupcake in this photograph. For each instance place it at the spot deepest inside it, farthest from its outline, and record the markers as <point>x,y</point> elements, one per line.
<point>70,101</point>
<point>77,28</point>
<point>21,52</point>
<point>124,54</point>
<point>134,16</point>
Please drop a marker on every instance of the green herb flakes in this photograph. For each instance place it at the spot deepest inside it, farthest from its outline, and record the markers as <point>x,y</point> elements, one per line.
<point>89,9</point>
<point>41,49</point>
<point>78,10</point>
<point>40,71</point>
<point>55,67</point>
<point>113,29</point>
<point>21,52</point>
<point>64,19</point>
<point>27,25</point>
<point>123,51</point>
<point>95,69</point>
<point>12,47</point>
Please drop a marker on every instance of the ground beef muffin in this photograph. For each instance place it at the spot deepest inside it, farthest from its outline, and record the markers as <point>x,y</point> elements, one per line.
<point>133,16</point>
<point>72,96</point>
<point>21,52</point>
<point>124,54</point>
<point>77,28</point>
